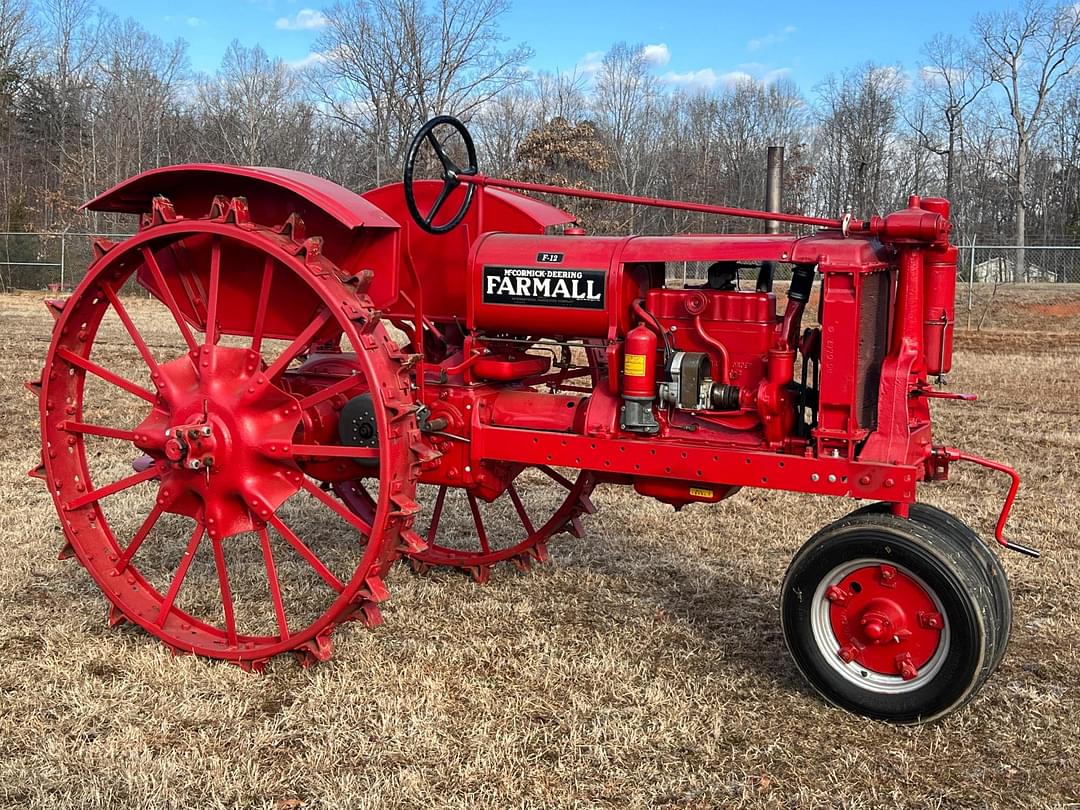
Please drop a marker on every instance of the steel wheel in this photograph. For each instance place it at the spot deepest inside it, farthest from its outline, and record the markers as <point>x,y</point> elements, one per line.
<point>889,619</point>
<point>219,543</point>
<point>462,531</point>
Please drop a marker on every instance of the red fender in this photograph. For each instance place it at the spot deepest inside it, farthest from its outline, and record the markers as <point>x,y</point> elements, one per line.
<point>271,192</point>
<point>440,259</point>
<point>356,233</point>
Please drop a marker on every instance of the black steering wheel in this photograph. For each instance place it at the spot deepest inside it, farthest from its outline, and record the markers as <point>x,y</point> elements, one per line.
<point>450,173</point>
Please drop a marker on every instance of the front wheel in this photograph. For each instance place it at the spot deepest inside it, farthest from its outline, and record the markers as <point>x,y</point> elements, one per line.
<point>888,618</point>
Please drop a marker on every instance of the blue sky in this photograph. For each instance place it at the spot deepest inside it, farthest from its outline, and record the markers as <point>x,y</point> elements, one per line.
<point>698,43</point>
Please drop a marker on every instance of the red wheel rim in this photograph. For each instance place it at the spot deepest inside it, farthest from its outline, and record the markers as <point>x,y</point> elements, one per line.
<point>229,463</point>
<point>880,625</point>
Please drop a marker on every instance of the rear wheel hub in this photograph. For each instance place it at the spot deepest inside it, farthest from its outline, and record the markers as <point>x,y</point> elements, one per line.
<point>224,431</point>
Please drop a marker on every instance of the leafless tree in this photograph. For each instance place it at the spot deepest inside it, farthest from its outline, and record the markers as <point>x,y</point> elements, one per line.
<point>250,110</point>
<point>950,80</point>
<point>855,139</point>
<point>1028,52</point>
<point>626,101</point>
<point>388,65</point>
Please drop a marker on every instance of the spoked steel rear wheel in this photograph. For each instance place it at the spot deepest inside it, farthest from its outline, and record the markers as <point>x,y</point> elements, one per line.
<point>220,543</point>
<point>463,531</point>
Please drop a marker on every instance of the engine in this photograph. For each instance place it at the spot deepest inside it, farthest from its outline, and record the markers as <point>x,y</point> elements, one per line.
<point>702,358</point>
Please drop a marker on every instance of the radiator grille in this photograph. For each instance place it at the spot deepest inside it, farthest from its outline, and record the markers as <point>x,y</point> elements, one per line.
<point>873,345</point>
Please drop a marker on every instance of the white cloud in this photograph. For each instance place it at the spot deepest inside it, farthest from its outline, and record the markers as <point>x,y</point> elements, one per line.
<point>657,55</point>
<point>306,19</point>
<point>697,80</point>
<point>772,38</point>
<point>774,75</point>
<point>591,63</point>
<point>892,74</point>
<point>313,58</point>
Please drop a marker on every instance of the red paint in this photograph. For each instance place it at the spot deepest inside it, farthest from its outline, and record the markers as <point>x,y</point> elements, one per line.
<point>884,620</point>
<point>270,254</point>
<point>939,308</point>
<point>639,363</point>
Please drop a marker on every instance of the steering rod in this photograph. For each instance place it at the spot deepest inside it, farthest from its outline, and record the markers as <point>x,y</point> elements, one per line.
<point>846,224</point>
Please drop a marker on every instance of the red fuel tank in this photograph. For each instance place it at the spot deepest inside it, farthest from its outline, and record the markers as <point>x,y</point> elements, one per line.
<point>547,286</point>
<point>939,308</point>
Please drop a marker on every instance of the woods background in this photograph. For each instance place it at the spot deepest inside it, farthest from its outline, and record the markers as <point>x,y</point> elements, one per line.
<point>989,117</point>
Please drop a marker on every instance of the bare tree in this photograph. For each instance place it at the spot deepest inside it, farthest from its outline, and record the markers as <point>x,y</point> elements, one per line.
<point>388,65</point>
<point>1028,52</point>
<point>141,84</point>
<point>560,95</point>
<point>626,102</point>
<point>252,115</point>
<point>18,58</point>
<point>951,79</point>
<point>855,139</point>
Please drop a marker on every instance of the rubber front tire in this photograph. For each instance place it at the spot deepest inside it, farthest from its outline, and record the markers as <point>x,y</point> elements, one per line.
<point>940,521</point>
<point>942,568</point>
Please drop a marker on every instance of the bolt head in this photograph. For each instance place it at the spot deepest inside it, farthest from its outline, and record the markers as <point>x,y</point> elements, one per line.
<point>848,653</point>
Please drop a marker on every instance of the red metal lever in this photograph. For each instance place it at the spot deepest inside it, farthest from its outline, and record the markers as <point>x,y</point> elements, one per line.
<point>931,393</point>
<point>952,454</point>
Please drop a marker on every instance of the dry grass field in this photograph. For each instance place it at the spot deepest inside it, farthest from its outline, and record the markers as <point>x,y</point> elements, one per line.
<point>642,667</point>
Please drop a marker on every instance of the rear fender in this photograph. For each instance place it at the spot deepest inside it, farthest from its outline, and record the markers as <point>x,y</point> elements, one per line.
<point>356,233</point>
<point>440,259</point>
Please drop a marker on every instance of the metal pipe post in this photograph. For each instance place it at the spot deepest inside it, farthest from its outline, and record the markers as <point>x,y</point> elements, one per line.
<point>774,184</point>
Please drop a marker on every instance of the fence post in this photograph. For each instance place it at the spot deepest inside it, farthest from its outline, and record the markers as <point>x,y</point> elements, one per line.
<point>971,278</point>
<point>63,253</point>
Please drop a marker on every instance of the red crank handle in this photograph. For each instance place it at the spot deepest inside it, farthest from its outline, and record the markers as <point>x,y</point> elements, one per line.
<point>952,454</point>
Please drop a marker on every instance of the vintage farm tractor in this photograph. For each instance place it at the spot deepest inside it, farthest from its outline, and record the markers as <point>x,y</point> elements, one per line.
<point>435,350</point>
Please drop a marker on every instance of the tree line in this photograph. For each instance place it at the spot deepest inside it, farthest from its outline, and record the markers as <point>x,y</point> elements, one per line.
<point>989,117</point>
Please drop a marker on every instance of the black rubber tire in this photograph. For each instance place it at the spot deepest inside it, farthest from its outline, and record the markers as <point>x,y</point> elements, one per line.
<point>946,568</point>
<point>940,521</point>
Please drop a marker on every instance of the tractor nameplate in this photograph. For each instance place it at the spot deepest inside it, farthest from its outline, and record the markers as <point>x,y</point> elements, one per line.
<point>544,287</point>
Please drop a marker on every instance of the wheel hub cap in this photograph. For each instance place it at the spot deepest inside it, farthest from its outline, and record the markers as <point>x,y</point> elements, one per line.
<point>884,620</point>
<point>221,434</point>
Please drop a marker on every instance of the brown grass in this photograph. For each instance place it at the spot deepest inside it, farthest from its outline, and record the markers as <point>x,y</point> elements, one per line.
<point>643,668</point>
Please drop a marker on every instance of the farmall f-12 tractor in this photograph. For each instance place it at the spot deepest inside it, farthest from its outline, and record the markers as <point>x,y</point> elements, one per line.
<point>435,350</point>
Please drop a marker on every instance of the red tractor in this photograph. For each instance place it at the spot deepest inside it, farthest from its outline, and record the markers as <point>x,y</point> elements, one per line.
<point>436,350</point>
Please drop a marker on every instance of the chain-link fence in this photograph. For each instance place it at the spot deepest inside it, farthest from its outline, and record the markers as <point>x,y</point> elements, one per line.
<point>41,261</point>
<point>1000,264</point>
<point>46,261</point>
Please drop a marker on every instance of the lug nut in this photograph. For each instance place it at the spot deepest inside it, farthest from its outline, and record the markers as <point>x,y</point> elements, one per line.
<point>930,620</point>
<point>905,666</point>
<point>836,594</point>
